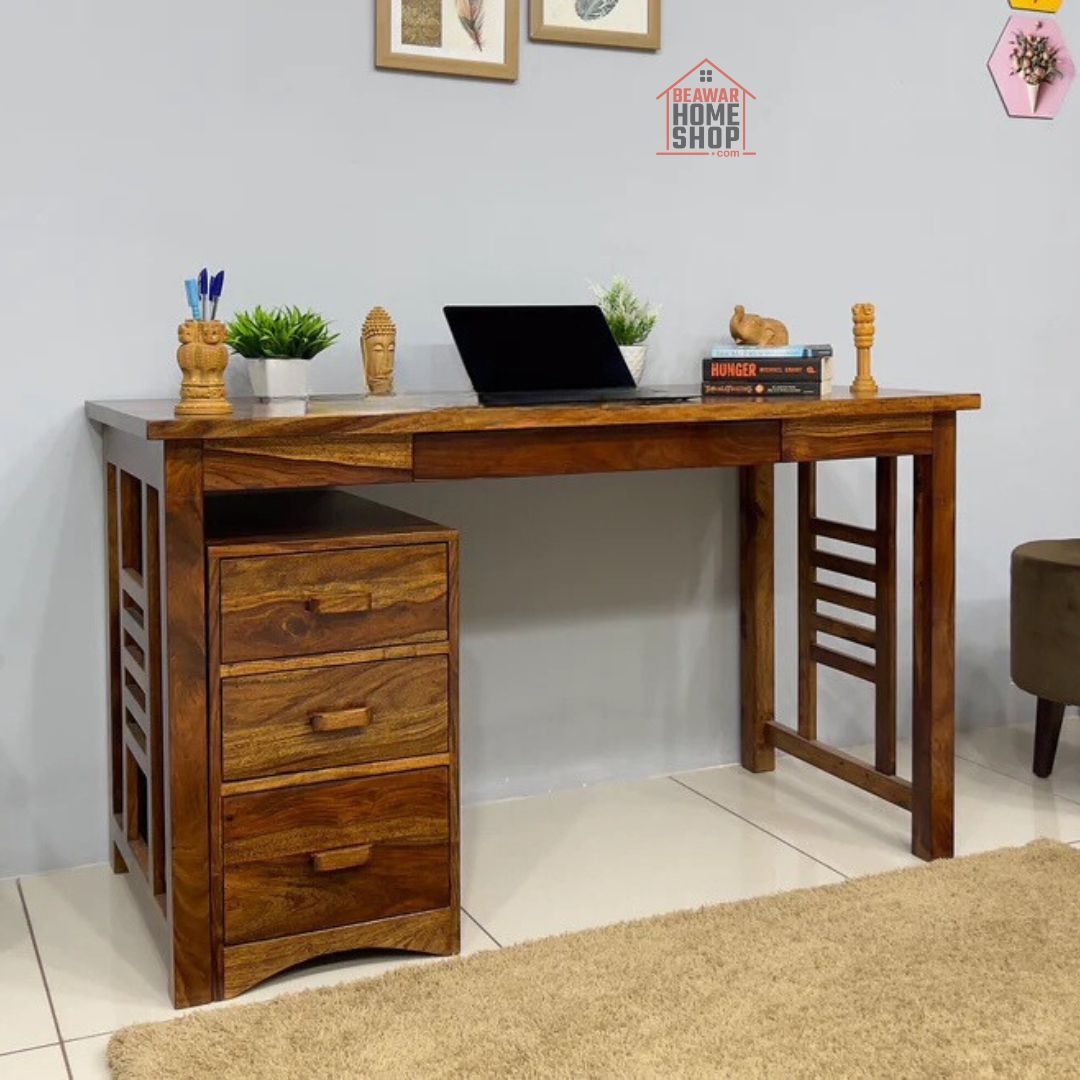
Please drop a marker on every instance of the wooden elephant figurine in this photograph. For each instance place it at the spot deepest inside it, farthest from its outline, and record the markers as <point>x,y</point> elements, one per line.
<point>755,330</point>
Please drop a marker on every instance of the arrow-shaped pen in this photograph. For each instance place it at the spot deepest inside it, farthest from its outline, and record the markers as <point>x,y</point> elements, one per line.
<point>217,283</point>
<point>204,288</point>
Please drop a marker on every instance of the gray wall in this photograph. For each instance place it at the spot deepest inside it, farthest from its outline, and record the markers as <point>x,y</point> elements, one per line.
<point>599,613</point>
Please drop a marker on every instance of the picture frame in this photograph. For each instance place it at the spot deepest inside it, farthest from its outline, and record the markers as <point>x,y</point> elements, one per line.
<point>438,37</point>
<point>620,24</point>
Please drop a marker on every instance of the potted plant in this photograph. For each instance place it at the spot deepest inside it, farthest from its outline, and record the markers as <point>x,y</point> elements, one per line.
<point>277,345</point>
<point>631,321</point>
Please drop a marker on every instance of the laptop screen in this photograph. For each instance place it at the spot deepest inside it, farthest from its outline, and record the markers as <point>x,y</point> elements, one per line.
<point>522,349</point>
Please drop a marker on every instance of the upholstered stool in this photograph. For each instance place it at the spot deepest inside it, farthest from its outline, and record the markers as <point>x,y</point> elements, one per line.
<point>1046,636</point>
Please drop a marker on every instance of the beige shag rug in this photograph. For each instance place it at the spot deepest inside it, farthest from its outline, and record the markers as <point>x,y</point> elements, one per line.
<point>961,969</point>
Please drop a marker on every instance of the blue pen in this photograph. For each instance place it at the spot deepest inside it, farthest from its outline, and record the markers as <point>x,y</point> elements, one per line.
<point>204,288</point>
<point>217,283</point>
<point>192,287</point>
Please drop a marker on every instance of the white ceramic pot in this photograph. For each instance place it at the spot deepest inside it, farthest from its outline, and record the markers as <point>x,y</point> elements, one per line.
<point>634,355</point>
<point>276,378</point>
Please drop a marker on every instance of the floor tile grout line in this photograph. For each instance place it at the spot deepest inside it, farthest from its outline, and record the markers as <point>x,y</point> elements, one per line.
<point>44,977</point>
<point>1019,780</point>
<point>483,929</point>
<point>28,1049</point>
<point>100,1034</point>
<point>760,828</point>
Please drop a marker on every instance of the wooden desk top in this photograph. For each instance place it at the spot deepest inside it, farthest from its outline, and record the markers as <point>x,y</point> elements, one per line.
<point>412,414</point>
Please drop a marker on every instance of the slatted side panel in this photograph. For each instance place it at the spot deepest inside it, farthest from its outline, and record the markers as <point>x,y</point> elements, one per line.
<point>826,639</point>
<point>137,707</point>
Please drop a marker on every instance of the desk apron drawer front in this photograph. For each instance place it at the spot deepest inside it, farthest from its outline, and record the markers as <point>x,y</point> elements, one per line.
<point>289,721</point>
<point>326,855</point>
<point>280,606</point>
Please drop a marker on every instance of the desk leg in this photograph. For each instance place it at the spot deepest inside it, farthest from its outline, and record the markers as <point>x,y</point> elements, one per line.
<point>188,747</point>
<point>934,660</point>
<point>757,615</point>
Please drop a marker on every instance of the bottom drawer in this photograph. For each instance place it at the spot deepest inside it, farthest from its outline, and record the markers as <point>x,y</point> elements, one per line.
<point>325,855</point>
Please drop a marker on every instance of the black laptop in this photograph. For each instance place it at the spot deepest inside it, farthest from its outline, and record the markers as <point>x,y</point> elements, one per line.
<point>545,356</point>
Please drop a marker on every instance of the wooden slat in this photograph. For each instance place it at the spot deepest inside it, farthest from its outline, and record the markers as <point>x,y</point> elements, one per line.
<point>860,669</point>
<point>137,672</point>
<point>323,660</point>
<point>138,713</point>
<point>934,647</point>
<point>116,678</point>
<point>842,766</point>
<point>132,584</point>
<point>808,685</point>
<point>849,534</point>
<point>130,625</point>
<point>885,623</point>
<point>841,564</point>
<point>137,749</point>
<point>566,451</point>
<point>845,598</point>
<point>345,772</point>
<point>859,635</point>
<point>757,615</point>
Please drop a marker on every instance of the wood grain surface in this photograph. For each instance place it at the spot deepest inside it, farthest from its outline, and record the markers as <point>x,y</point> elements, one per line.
<point>295,720</point>
<point>934,646</point>
<point>258,464</point>
<point>410,414</point>
<point>251,963</point>
<point>187,749</point>
<point>273,842</point>
<point>757,615</point>
<point>297,605</point>
<point>568,451</point>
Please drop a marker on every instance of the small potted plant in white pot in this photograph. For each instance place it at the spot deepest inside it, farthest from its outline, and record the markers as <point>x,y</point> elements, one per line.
<point>631,321</point>
<point>277,345</point>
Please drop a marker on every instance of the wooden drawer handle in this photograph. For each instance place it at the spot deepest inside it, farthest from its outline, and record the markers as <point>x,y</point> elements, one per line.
<point>341,601</point>
<point>345,720</point>
<point>346,858</point>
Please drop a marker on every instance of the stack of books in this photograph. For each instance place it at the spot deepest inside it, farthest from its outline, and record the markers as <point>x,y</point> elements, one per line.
<point>784,371</point>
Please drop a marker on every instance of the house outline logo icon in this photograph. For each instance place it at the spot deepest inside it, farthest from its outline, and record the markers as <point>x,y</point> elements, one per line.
<point>706,114</point>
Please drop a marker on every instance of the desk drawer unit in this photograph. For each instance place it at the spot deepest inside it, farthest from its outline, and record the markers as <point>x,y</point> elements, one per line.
<point>299,605</point>
<point>333,728</point>
<point>324,855</point>
<point>289,721</point>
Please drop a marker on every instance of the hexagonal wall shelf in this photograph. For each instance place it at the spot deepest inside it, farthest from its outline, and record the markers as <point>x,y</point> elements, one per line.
<point>1047,6</point>
<point>1015,93</point>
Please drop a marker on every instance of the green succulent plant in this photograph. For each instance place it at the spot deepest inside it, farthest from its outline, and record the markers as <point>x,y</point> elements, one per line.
<point>285,332</point>
<point>631,320</point>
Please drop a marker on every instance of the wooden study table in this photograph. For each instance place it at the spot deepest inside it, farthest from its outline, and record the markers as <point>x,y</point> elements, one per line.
<point>162,469</point>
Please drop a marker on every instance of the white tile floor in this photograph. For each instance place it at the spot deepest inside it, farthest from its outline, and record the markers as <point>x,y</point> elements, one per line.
<point>76,962</point>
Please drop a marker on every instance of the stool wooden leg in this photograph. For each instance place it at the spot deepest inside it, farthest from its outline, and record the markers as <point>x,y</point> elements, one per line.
<point>1048,717</point>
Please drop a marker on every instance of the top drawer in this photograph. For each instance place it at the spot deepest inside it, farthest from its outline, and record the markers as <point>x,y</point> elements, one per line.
<point>299,605</point>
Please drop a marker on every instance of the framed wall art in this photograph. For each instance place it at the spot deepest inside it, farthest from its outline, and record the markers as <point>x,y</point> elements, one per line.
<point>624,24</point>
<point>478,38</point>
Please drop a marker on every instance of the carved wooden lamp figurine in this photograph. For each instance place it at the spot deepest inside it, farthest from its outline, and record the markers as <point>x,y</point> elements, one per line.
<point>863,316</point>
<point>755,330</point>
<point>203,357</point>
<point>379,340</point>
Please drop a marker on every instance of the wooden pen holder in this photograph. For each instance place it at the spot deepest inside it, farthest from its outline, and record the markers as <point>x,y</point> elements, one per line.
<point>203,357</point>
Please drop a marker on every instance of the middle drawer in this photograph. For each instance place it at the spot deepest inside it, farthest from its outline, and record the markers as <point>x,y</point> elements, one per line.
<point>350,714</point>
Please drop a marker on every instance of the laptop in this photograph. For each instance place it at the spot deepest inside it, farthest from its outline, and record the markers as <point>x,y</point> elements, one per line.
<point>545,356</point>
